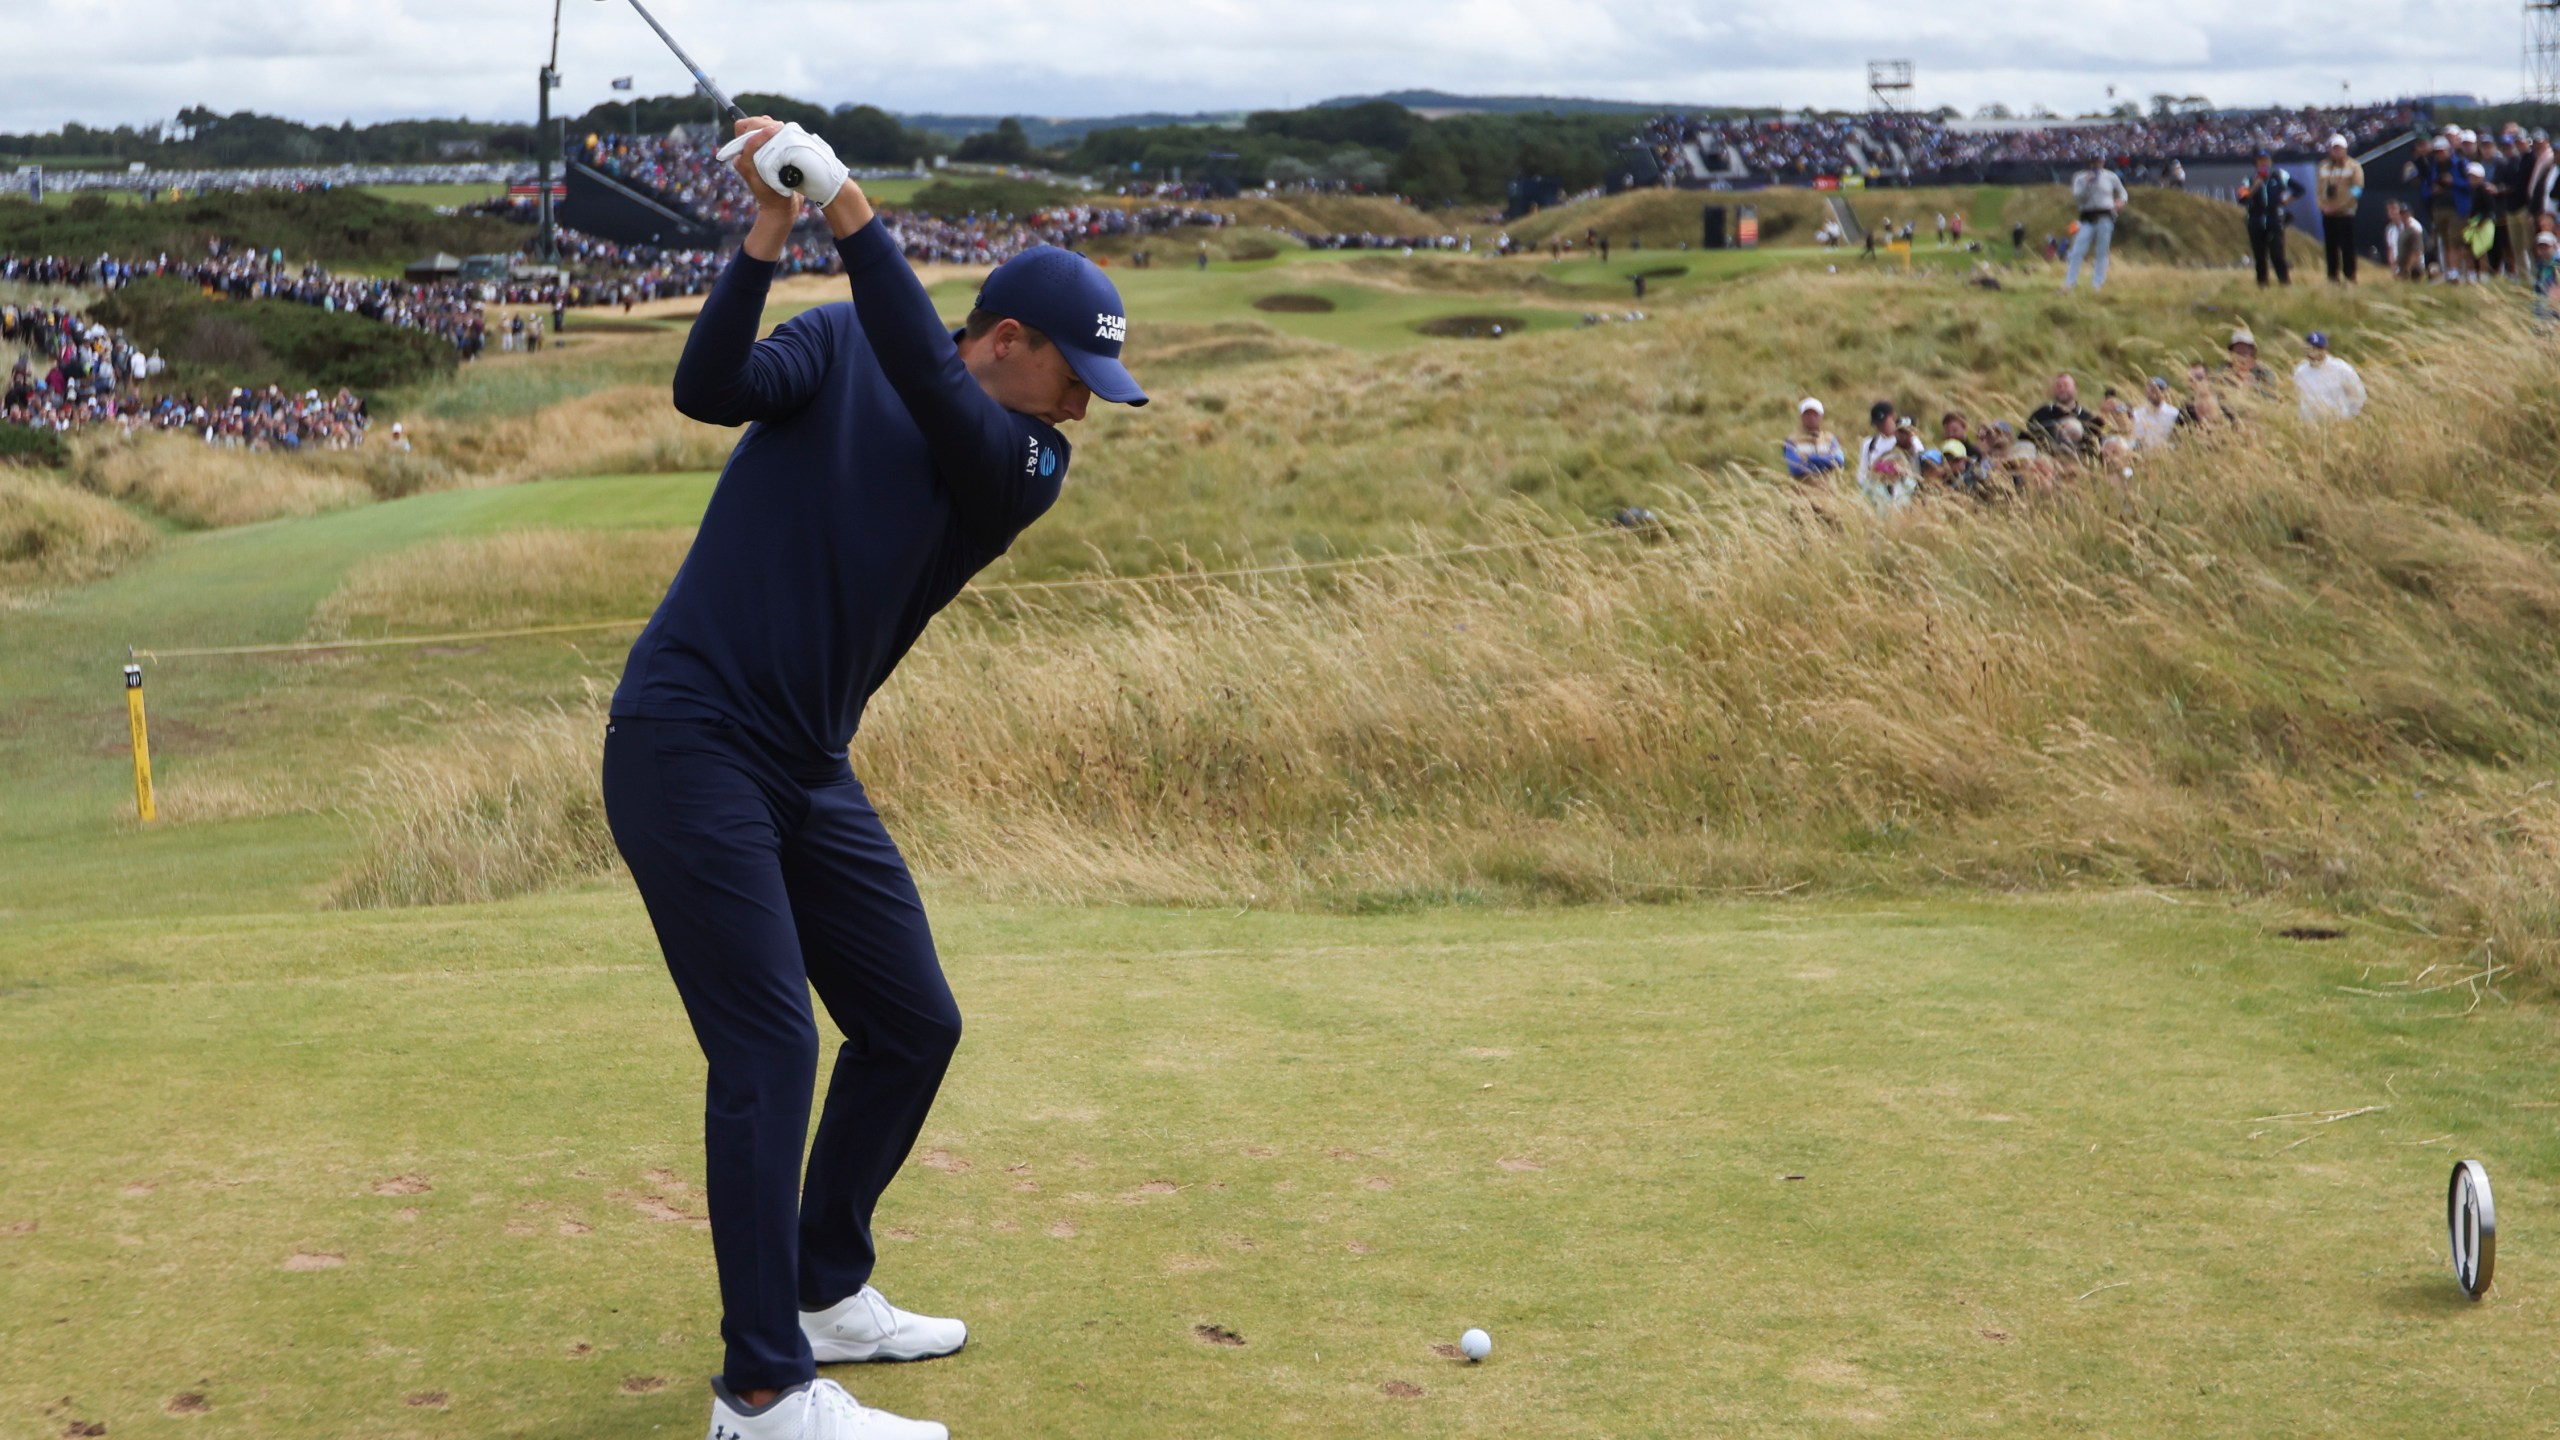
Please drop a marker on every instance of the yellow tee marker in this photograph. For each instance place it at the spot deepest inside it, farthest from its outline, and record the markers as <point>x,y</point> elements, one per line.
<point>141,745</point>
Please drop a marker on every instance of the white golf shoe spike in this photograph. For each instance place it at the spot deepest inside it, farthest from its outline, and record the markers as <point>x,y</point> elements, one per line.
<point>866,1327</point>
<point>819,1410</point>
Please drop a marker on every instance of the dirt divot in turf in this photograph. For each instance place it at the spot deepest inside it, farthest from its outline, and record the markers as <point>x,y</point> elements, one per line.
<point>659,1207</point>
<point>576,1227</point>
<point>405,1212</point>
<point>402,1185</point>
<point>85,1427</point>
<point>1521,1163</point>
<point>2311,932</point>
<point>643,1384</point>
<point>581,1350</point>
<point>314,1260</point>
<point>1471,327</point>
<point>137,1189</point>
<point>1259,1152</point>
<point>944,1161</point>
<point>18,1227</point>
<point>898,1232</point>
<point>1376,1182</point>
<point>1286,304</point>
<point>426,1400</point>
<point>1062,1231</point>
<point>1447,1351</point>
<point>1216,1335</point>
<point>1400,1389</point>
<point>666,1179</point>
<point>191,1403</point>
<point>1997,1337</point>
<point>1487,1052</point>
<point>1357,1247</point>
<point>1005,1227</point>
<point>1188,1264</point>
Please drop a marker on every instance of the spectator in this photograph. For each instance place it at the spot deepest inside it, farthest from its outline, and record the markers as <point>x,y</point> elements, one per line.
<point>1967,473</point>
<point>1953,428</point>
<point>2203,410</point>
<point>1813,451</point>
<point>2341,186</point>
<point>1884,441</point>
<point>1889,484</point>
<point>2100,196</point>
<point>2266,197</point>
<point>2247,375</point>
<point>2329,388</point>
<point>2431,172</point>
<point>2404,241</point>
<point>2546,276</point>
<point>2047,426</point>
<point>2155,420</point>
<point>2540,171</point>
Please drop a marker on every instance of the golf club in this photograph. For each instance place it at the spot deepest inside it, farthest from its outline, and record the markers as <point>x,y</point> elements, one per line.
<point>729,107</point>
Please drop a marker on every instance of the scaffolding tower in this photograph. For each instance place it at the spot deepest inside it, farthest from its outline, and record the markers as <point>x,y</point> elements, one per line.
<point>2542,51</point>
<point>1889,81</point>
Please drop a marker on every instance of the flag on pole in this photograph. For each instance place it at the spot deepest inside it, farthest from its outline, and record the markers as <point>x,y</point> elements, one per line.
<point>622,84</point>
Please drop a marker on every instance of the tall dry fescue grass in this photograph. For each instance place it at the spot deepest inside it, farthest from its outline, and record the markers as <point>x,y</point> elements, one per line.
<point>508,803</point>
<point>510,579</point>
<point>52,534</point>
<point>626,429</point>
<point>206,486</point>
<point>2314,663</point>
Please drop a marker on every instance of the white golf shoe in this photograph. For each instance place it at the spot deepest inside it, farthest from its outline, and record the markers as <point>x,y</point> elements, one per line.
<point>819,1410</point>
<point>866,1327</point>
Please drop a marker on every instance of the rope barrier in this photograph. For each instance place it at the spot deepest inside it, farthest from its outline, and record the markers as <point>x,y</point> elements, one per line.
<point>1082,582</point>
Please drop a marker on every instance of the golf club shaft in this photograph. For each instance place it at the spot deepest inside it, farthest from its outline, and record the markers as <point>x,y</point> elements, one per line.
<point>729,107</point>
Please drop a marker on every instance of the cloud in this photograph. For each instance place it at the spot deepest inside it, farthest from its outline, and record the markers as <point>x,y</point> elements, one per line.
<point>105,62</point>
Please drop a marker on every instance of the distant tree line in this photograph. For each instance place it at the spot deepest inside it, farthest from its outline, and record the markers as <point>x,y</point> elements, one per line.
<point>201,139</point>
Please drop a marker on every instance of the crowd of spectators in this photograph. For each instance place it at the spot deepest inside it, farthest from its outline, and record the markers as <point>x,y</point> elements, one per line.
<point>1920,145</point>
<point>1895,464</point>
<point>690,178</point>
<point>72,372</point>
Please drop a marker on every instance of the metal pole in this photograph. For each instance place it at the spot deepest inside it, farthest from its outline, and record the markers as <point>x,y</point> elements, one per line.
<point>544,142</point>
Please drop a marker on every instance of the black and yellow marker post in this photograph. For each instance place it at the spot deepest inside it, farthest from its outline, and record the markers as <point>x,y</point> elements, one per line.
<point>141,745</point>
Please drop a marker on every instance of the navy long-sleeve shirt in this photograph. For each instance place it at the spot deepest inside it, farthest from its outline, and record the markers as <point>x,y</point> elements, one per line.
<point>876,476</point>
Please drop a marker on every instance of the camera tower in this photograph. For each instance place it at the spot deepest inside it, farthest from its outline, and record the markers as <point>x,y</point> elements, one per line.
<point>2542,51</point>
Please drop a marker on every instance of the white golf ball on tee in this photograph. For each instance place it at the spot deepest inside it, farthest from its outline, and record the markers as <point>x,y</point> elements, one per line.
<point>1475,1344</point>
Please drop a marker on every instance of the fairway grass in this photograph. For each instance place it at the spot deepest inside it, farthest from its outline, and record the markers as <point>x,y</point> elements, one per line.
<point>437,1172</point>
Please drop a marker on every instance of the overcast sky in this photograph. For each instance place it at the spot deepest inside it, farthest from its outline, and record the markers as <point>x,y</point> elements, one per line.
<point>104,62</point>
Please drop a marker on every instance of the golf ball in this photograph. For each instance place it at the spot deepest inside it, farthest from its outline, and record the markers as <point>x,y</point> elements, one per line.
<point>1475,1344</point>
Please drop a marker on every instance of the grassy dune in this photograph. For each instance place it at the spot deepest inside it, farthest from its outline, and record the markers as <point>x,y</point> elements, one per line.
<point>2310,664</point>
<point>52,534</point>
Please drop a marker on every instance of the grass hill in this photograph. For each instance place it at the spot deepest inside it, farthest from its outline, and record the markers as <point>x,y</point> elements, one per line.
<point>343,227</point>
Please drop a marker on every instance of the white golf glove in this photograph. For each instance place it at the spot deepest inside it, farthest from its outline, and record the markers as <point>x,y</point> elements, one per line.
<point>821,173</point>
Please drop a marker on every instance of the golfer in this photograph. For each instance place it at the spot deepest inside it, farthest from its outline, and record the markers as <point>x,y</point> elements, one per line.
<point>886,461</point>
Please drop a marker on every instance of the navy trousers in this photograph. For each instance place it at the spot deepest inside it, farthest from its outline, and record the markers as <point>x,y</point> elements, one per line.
<point>763,885</point>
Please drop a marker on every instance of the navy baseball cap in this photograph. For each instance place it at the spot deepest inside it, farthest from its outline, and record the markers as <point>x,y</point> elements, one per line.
<point>1066,297</point>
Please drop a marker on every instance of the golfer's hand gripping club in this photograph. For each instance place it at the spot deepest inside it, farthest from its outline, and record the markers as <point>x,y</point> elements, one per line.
<point>791,159</point>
